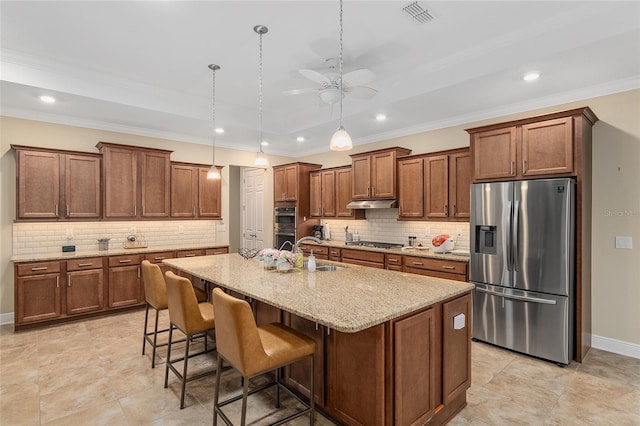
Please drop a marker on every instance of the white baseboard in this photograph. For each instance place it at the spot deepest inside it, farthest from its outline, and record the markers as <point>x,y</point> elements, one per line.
<point>615,346</point>
<point>6,319</point>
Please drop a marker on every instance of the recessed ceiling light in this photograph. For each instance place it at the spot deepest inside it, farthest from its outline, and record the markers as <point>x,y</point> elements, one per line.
<point>264,143</point>
<point>531,76</point>
<point>300,139</point>
<point>219,130</point>
<point>381,117</point>
<point>47,99</point>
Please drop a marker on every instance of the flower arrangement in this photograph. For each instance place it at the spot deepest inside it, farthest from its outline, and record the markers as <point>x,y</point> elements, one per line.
<point>285,256</point>
<point>283,259</point>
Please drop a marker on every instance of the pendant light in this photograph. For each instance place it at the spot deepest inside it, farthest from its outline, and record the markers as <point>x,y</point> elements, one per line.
<point>213,173</point>
<point>341,141</point>
<point>261,159</point>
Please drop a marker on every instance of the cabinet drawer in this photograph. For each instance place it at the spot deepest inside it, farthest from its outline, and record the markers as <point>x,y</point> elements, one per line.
<point>393,260</point>
<point>367,256</point>
<point>159,257</point>
<point>81,264</point>
<point>334,252</point>
<point>126,260</point>
<point>218,250</point>
<point>38,268</point>
<point>190,253</point>
<point>317,250</point>
<point>448,266</point>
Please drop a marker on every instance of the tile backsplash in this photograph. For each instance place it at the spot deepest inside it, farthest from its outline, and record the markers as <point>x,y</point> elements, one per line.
<point>383,225</point>
<point>49,237</point>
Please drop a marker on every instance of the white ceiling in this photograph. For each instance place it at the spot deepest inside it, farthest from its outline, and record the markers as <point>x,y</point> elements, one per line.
<point>141,67</point>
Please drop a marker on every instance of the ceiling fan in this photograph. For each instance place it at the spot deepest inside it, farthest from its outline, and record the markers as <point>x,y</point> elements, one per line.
<point>353,84</point>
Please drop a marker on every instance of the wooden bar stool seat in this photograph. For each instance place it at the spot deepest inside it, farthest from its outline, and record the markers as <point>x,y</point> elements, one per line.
<point>191,318</point>
<point>254,350</point>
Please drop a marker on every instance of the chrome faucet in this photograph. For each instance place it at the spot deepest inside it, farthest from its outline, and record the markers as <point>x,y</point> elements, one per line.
<point>285,243</point>
<point>296,246</point>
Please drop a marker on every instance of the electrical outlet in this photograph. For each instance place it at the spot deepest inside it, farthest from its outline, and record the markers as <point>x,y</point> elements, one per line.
<point>69,234</point>
<point>459,233</point>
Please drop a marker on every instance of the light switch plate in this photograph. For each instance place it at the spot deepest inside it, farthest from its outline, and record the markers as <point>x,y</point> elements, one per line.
<point>624,243</point>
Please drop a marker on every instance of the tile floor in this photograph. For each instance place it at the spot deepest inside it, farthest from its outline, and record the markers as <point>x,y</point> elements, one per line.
<point>91,372</point>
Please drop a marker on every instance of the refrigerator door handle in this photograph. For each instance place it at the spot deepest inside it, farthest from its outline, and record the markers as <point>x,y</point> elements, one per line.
<point>506,224</point>
<point>513,296</point>
<point>515,236</point>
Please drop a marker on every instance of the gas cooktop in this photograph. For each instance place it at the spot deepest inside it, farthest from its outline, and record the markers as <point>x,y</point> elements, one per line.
<point>374,244</point>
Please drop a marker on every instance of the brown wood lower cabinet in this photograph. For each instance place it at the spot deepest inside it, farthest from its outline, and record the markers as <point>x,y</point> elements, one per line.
<point>38,298</point>
<point>85,286</point>
<point>439,268</point>
<point>125,286</point>
<point>363,258</point>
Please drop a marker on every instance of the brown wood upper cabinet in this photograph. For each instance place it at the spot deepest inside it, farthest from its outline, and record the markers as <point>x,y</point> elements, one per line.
<point>57,185</point>
<point>374,173</point>
<point>136,181</point>
<point>520,150</point>
<point>435,186</point>
<point>192,194</point>
<point>290,181</point>
<point>322,193</point>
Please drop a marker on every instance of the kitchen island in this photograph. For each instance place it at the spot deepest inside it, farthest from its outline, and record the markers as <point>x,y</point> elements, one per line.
<point>388,350</point>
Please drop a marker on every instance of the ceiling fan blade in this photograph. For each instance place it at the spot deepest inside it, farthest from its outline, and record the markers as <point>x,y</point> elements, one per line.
<point>361,92</point>
<point>299,91</point>
<point>315,76</point>
<point>358,77</point>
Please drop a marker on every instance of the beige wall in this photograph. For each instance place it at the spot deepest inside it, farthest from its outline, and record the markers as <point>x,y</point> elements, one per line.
<point>616,191</point>
<point>616,201</point>
<point>35,133</point>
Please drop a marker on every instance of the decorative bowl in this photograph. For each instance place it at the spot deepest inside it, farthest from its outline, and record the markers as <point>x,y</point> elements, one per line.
<point>248,253</point>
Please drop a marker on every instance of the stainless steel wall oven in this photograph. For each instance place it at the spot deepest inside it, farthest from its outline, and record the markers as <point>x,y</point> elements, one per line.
<point>284,226</point>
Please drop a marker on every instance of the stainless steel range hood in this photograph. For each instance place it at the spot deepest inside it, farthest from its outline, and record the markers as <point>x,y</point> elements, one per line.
<point>372,204</point>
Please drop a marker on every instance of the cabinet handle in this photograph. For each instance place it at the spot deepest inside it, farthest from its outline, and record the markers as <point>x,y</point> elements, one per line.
<point>143,210</point>
<point>85,264</point>
<point>448,267</point>
<point>194,211</point>
<point>125,261</point>
<point>138,272</point>
<point>393,260</point>
<point>68,280</point>
<point>368,189</point>
<point>446,210</point>
<point>453,212</point>
<point>524,166</point>
<point>159,258</point>
<point>418,263</point>
<point>511,167</point>
<point>189,255</point>
<point>56,210</point>
<point>41,268</point>
<point>373,191</point>
<point>58,282</point>
<point>135,210</point>
<point>66,211</point>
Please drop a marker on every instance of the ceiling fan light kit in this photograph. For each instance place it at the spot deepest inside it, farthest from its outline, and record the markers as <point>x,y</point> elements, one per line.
<point>340,141</point>
<point>213,172</point>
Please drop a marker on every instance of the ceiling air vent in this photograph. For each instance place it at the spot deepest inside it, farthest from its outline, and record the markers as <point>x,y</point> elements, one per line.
<point>418,13</point>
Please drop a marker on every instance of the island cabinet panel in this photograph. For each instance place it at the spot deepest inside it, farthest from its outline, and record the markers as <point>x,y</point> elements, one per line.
<point>265,313</point>
<point>456,349</point>
<point>125,283</point>
<point>414,341</point>
<point>355,382</point>
<point>298,375</point>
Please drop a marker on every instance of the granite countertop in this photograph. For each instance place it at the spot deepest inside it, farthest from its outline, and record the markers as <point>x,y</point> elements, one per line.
<point>347,300</point>
<point>34,257</point>
<point>405,251</point>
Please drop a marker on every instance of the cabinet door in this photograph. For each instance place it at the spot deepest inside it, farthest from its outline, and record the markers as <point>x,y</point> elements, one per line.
<point>291,183</point>
<point>383,175</point>
<point>315,194</point>
<point>343,192</point>
<point>460,185</point>
<point>38,185</point>
<point>414,368</point>
<point>38,298</point>
<point>456,350</point>
<point>82,186</point>
<point>279,184</point>
<point>356,383</point>
<point>361,169</point>
<point>436,179</point>
<point>155,177</point>
<point>120,177</point>
<point>298,375</point>
<point>184,190</point>
<point>328,194</point>
<point>125,286</point>
<point>209,195</point>
<point>85,291</point>
<point>547,147</point>
<point>494,153</point>
<point>411,188</point>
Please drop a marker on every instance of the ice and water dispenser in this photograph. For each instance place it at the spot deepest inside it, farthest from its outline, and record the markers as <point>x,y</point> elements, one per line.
<point>486,239</point>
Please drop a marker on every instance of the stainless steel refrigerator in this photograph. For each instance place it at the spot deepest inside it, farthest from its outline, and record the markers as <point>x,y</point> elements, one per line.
<point>523,265</point>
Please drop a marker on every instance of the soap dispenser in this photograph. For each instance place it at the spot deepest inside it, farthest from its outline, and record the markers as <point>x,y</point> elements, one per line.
<point>311,263</point>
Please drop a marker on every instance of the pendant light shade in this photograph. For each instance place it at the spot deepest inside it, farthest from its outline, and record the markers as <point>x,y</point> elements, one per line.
<point>261,159</point>
<point>213,172</point>
<point>341,141</point>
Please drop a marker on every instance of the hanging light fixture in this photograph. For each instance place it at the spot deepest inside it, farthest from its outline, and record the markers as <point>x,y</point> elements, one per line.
<point>341,141</point>
<point>261,159</point>
<point>213,173</point>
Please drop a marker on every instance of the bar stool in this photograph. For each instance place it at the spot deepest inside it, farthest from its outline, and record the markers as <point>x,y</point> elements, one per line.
<point>254,350</point>
<point>191,318</point>
<point>155,294</point>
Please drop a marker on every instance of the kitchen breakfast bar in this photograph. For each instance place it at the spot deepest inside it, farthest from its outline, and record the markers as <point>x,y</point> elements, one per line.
<point>393,348</point>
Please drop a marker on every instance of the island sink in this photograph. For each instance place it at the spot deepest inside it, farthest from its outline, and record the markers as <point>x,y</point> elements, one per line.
<point>323,267</point>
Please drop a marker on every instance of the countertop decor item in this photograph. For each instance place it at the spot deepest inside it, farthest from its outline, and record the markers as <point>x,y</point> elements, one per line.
<point>134,242</point>
<point>248,253</point>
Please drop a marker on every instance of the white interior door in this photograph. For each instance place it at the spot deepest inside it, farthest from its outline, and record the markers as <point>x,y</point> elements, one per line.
<point>253,208</point>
